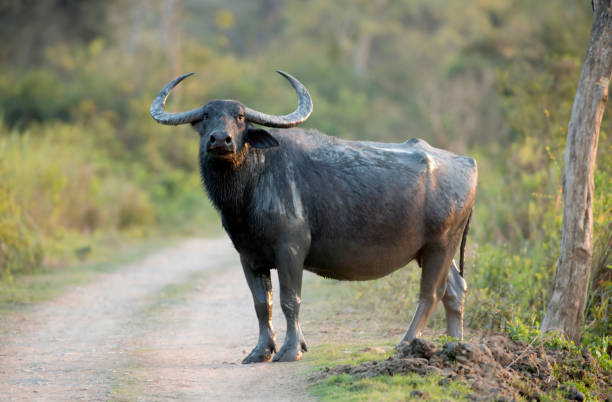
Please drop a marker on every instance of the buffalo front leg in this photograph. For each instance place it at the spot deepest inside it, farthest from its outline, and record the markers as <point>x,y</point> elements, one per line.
<point>290,268</point>
<point>453,300</point>
<point>436,265</point>
<point>261,288</point>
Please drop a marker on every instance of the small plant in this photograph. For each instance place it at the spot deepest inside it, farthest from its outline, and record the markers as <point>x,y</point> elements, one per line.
<point>520,331</point>
<point>444,339</point>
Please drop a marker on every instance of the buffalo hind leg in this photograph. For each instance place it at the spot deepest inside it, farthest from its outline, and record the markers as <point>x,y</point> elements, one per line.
<point>453,300</point>
<point>436,265</point>
<point>290,267</point>
<point>261,288</point>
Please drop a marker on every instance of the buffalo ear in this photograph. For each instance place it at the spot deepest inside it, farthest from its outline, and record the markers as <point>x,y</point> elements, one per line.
<point>260,138</point>
<point>197,126</point>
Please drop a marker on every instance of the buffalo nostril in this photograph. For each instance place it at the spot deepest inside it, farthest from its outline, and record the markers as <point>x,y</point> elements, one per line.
<point>212,139</point>
<point>228,140</point>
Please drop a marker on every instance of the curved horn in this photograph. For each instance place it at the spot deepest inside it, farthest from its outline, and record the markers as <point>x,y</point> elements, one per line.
<point>300,115</point>
<point>158,111</point>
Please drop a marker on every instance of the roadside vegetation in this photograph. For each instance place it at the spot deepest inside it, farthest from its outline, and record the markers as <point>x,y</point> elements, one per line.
<point>83,167</point>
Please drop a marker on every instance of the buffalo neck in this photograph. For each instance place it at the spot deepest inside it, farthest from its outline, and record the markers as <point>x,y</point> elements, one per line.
<point>229,182</point>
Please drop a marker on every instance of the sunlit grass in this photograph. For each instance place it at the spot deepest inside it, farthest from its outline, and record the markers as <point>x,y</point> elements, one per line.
<point>411,387</point>
<point>356,351</point>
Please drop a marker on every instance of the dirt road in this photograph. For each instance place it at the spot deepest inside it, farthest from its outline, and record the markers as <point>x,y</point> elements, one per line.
<point>172,326</point>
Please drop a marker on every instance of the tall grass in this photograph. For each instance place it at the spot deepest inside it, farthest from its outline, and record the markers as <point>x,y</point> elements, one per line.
<point>60,188</point>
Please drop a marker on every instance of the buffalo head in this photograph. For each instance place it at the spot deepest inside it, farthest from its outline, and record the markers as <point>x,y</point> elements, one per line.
<point>223,125</point>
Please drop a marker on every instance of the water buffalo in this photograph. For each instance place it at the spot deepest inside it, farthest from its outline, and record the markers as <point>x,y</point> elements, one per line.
<point>297,199</point>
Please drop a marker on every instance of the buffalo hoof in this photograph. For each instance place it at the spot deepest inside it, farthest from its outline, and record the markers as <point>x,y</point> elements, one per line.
<point>290,352</point>
<point>259,355</point>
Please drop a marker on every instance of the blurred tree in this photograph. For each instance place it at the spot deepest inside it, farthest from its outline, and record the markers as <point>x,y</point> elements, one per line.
<point>368,30</point>
<point>566,307</point>
<point>28,27</point>
<point>170,14</point>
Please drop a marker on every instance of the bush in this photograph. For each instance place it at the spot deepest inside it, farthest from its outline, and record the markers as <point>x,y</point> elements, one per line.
<point>135,208</point>
<point>20,245</point>
<point>55,176</point>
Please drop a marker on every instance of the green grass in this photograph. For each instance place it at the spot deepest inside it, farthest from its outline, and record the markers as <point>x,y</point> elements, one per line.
<point>400,387</point>
<point>331,354</point>
<point>385,388</point>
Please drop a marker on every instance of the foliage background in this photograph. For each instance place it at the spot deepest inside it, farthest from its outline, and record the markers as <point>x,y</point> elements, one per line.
<point>81,160</point>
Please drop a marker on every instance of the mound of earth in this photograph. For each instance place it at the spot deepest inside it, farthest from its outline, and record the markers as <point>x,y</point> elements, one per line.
<point>497,369</point>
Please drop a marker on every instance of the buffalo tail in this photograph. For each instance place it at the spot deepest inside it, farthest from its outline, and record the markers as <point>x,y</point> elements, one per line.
<point>463,240</point>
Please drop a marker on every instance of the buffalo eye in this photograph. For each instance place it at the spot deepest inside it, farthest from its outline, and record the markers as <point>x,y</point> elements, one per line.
<point>205,116</point>
<point>240,117</point>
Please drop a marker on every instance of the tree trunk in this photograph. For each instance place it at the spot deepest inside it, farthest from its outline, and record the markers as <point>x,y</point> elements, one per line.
<point>565,309</point>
